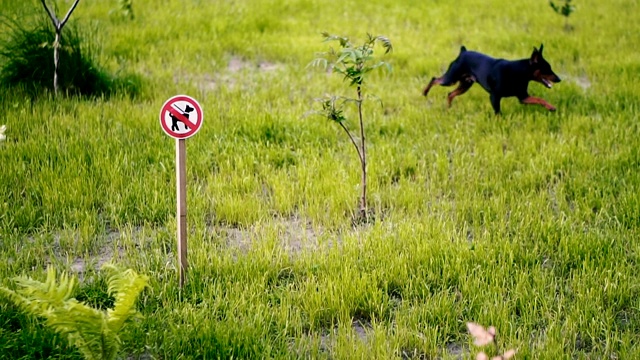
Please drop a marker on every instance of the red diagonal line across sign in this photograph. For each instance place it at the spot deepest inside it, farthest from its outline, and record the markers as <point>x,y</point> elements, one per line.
<point>181,117</point>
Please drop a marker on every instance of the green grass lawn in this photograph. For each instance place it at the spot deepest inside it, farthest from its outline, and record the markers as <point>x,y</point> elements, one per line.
<point>528,221</point>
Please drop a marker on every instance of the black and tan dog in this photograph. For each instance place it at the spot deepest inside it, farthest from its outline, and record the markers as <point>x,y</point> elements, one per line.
<point>501,78</point>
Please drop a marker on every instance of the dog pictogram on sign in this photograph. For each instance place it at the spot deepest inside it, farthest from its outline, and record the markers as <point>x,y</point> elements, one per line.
<point>181,117</point>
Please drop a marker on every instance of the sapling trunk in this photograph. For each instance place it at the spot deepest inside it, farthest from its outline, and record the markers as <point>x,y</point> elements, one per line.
<point>56,61</point>
<point>363,160</point>
<point>57,25</point>
<point>567,26</point>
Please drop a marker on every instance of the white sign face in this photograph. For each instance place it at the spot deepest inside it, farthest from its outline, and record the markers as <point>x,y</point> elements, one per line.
<point>181,117</point>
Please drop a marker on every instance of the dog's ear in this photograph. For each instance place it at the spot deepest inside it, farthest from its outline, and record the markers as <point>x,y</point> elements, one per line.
<point>535,56</point>
<point>540,50</point>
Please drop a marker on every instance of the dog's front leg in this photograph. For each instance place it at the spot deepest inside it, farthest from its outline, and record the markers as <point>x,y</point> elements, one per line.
<point>538,101</point>
<point>495,102</point>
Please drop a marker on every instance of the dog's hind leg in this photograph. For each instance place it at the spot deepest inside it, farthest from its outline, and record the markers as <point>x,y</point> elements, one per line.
<point>462,88</point>
<point>444,80</point>
<point>434,81</point>
<point>452,76</point>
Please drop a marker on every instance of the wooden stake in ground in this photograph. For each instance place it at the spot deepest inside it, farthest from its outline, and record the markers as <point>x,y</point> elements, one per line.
<point>58,25</point>
<point>181,185</point>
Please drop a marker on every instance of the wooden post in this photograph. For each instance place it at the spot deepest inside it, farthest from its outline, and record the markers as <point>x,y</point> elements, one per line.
<point>181,184</point>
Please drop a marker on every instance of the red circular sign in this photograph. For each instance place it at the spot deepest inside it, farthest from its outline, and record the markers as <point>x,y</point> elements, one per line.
<point>181,117</point>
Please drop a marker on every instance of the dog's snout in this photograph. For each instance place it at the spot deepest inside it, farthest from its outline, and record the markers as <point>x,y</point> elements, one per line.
<point>557,79</point>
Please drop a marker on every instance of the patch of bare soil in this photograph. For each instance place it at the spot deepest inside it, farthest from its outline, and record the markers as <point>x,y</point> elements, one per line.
<point>294,234</point>
<point>78,265</point>
<point>457,351</point>
<point>359,327</point>
<point>108,248</point>
<point>105,254</point>
<point>236,71</point>
<point>362,331</point>
<point>237,64</point>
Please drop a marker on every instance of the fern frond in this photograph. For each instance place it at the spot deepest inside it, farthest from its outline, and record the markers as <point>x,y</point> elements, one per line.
<point>93,332</point>
<point>38,297</point>
<point>85,328</point>
<point>82,325</point>
<point>124,286</point>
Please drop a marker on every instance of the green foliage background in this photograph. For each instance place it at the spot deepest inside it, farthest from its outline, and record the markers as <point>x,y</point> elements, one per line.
<point>528,221</point>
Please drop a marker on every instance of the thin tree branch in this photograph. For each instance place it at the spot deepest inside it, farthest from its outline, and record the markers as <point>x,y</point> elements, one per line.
<point>353,141</point>
<point>66,17</point>
<point>52,16</point>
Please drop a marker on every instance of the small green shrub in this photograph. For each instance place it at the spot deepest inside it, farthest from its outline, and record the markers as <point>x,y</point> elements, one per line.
<point>26,61</point>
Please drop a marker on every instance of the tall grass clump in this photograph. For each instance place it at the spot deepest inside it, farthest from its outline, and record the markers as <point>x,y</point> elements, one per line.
<point>26,53</point>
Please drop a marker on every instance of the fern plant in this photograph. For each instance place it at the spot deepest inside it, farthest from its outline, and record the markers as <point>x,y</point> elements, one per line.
<point>354,63</point>
<point>95,333</point>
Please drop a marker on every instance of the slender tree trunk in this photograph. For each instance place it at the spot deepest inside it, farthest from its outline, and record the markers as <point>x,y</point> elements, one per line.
<point>56,61</point>
<point>57,25</point>
<point>363,160</point>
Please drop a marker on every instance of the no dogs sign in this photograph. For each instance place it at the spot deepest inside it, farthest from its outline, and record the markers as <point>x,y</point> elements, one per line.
<point>181,117</point>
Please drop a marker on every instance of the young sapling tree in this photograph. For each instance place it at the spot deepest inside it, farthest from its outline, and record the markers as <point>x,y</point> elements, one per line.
<point>125,8</point>
<point>353,62</point>
<point>57,25</point>
<point>565,10</point>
